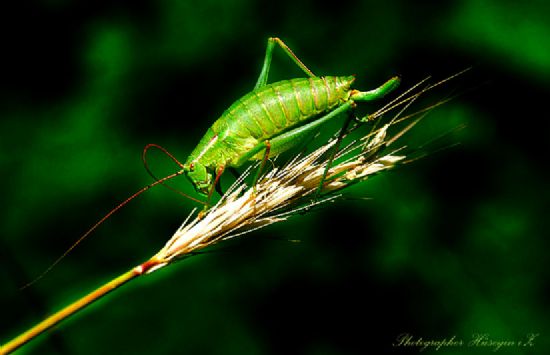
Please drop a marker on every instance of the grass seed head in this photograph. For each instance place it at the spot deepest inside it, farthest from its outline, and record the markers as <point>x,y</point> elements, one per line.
<point>279,194</point>
<point>287,190</point>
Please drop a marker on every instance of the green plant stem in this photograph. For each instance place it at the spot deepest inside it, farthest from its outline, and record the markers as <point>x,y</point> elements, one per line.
<point>70,310</point>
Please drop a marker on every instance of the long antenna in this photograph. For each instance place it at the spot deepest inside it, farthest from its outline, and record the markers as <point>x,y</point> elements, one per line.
<point>175,160</point>
<point>99,222</point>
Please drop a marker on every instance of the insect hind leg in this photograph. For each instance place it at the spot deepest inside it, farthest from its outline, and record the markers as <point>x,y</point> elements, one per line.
<point>357,96</point>
<point>271,43</point>
<point>334,151</point>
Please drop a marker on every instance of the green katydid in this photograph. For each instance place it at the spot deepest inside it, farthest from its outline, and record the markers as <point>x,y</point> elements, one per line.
<point>271,119</point>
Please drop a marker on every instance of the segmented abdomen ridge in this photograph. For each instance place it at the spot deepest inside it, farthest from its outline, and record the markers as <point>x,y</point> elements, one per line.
<point>269,110</point>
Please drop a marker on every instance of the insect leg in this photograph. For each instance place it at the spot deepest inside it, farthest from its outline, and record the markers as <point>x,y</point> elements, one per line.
<point>294,137</point>
<point>234,171</point>
<point>262,164</point>
<point>271,42</point>
<point>341,135</point>
<point>219,190</point>
<point>357,95</point>
<point>216,184</point>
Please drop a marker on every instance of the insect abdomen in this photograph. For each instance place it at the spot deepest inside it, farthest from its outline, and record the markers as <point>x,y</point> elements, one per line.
<point>265,113</point>
<point>269,110</point>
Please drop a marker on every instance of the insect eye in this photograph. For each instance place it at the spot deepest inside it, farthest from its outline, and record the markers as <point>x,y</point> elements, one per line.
<point>191,166</point>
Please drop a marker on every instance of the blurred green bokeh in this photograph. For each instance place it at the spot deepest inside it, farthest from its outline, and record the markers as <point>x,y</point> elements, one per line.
<point>452,245</point>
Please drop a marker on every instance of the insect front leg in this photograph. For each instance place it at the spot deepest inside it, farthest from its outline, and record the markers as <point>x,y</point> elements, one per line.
<point>216,184</point>
<point>271,43</point>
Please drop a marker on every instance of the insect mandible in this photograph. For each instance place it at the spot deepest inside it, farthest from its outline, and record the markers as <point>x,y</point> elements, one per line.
<point>271,119</point>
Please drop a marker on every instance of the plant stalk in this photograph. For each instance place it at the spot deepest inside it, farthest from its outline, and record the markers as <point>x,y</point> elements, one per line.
<point>73,308</point>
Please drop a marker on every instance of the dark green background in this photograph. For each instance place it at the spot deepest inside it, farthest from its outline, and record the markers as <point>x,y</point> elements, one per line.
<point>454,244</point>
